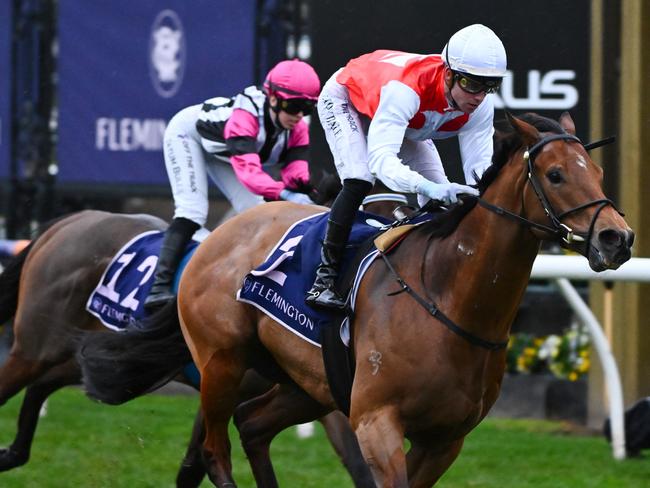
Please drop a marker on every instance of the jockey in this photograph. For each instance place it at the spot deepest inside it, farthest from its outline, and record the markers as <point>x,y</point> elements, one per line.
<point>234,140</point>
<point>380,113</point>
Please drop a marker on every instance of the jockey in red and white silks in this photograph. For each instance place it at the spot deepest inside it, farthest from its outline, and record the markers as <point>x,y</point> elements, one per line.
<point>234,140</point>
<point>381,113</point>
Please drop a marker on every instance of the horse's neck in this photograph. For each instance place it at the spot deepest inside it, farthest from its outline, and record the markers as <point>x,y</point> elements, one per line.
<point>491,257</point>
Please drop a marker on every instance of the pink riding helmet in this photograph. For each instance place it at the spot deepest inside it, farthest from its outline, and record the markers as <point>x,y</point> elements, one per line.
<point>293,79</point>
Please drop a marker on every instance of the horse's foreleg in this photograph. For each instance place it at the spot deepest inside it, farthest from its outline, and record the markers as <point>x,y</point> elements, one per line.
<point>192,468</point>
<point>346,445</point>
<point>427,462</point>
<point>381,437</point>
<point>220,380</point>
<point>18,453</point>
<point>259,420</point>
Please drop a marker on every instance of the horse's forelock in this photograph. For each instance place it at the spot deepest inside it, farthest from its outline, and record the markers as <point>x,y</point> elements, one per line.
<point>507,141</point>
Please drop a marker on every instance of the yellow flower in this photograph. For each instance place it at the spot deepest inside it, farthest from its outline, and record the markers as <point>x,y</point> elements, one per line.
<point>529,351</point>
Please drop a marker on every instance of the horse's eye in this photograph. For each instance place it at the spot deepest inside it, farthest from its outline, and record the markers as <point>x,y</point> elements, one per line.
<point>554,176</point>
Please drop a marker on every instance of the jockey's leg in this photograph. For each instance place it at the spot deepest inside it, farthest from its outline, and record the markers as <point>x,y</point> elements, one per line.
<point>323,292</point>
<point>185,162</point>
<point>177,236</point>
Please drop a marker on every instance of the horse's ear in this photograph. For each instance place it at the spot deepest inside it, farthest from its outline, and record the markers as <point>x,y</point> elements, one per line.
<point>527,132</point>
<point>566,121</point>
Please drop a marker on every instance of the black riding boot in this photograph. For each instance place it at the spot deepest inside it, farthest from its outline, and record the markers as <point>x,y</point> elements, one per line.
<point>177,236</point>
<point>323,292</point>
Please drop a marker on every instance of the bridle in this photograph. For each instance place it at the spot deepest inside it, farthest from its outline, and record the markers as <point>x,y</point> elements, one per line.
<point>557,229</point>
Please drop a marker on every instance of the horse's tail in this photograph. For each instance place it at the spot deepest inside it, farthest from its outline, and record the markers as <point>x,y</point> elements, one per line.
<point>117,367</point>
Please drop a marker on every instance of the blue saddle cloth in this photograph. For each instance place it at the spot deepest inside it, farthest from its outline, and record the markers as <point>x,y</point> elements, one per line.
<point>279,285</point>
<point>118,299</point>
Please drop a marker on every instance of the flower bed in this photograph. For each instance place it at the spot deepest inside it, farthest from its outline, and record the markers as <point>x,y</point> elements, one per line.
<point>563,355</point>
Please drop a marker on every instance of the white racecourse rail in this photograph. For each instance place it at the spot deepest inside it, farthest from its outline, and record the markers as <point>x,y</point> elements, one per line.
<point>561,269</point>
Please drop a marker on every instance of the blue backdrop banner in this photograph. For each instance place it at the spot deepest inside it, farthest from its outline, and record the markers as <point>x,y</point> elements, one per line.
<point>125,68</point>
<point>5,87</point>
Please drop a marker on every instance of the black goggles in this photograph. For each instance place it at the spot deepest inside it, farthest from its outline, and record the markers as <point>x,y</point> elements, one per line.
<point>474,86</point>
<point>293,106</point>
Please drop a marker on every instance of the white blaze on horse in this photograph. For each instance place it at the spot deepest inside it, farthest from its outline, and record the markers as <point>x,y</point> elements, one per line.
<point>430,360</point>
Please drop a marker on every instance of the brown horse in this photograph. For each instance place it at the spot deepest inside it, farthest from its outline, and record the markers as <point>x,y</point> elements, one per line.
<point>53,278</point>
<point>429,361</point>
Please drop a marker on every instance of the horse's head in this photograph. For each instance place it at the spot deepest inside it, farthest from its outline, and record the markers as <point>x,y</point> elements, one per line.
<point>564,193</point>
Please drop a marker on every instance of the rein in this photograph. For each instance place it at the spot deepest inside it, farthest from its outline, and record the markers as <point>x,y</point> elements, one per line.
<point>558,229</point>
<point>438,314</point>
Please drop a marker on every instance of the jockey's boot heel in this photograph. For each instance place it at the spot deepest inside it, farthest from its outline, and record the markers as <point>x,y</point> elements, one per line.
<point>323,293</point>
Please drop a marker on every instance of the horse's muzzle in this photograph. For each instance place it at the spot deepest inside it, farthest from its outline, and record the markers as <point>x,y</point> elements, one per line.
<point>610,248</point>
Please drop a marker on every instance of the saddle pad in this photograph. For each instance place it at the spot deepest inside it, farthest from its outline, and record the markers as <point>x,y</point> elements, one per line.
<point>278,286</point>
<point>118,299</point>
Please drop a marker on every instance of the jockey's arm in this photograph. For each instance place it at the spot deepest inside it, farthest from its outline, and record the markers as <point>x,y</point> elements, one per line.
<point>241,135</point>
<point>295,173</point>
<point>476,141</point>
<point>397,105</point>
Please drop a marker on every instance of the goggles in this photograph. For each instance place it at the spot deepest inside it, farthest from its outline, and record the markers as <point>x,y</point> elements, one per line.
<point>474,86</point>
<point>293,106</point>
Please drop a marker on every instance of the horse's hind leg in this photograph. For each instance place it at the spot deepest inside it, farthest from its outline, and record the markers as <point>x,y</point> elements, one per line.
<point>18,453</point>
<point>259,420</point>
<point>192,468</point>
<point>220,379</point>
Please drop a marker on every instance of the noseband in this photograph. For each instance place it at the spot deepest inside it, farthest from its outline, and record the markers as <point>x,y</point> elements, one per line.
<point>557,229</point>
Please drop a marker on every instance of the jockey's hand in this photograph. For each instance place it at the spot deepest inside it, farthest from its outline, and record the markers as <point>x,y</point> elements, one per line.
<point>292,196</point>
<point>446,193</point>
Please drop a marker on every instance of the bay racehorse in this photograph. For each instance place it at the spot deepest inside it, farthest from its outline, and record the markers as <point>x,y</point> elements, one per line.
<point>431,318</point>
<point>45,289</point>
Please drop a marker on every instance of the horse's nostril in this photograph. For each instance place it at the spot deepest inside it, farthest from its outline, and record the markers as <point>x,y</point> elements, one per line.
<point>612,238</point>
<point>630,238</point>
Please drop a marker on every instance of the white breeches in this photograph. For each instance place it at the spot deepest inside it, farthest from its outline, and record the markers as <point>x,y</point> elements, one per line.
<point>346,133</point>
<point>188,166</point>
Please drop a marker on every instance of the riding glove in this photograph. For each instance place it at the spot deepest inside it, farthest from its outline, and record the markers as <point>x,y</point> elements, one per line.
<point>292,196</point>
<point>447,193</point>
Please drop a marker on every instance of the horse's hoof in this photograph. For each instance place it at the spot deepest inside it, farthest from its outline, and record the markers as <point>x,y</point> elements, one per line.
<point>10,459</point>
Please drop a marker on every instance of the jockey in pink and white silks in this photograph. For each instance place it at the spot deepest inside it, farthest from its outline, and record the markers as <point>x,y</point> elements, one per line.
<point>380,114</point>
<point>234,141</point>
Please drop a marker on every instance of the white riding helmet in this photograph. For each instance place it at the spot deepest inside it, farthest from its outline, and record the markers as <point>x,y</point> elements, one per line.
<point>476,50</point>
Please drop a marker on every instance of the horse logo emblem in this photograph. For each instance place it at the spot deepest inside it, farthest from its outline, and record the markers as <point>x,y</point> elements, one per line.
<point>167,53</point>
<point>96,304</point>
<point>247,284</point>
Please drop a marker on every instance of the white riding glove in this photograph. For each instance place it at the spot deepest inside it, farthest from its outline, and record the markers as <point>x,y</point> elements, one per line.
<point>292,196</point>
<point>447,193</point>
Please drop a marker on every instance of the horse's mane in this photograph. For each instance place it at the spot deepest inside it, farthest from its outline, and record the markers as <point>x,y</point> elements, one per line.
<point>506,142</point>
